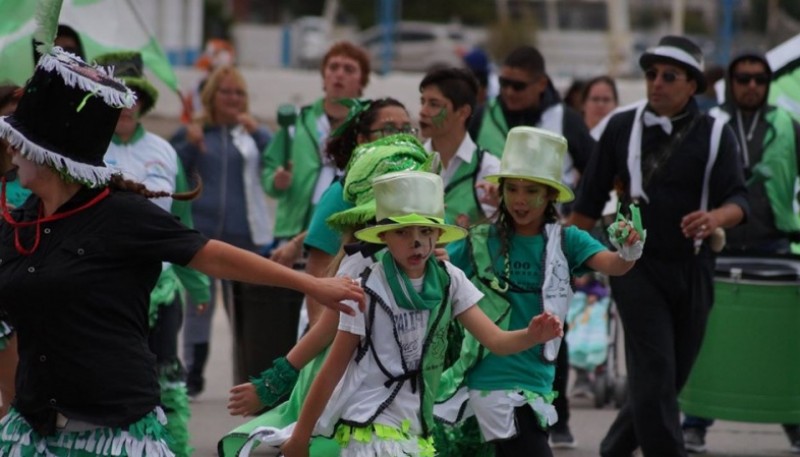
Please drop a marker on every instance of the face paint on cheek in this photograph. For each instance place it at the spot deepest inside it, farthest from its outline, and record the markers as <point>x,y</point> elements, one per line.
<point>538,201</point>
<point>440,117</point>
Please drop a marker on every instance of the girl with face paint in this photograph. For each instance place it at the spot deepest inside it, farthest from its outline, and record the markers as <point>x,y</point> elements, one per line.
<point>523,263</point>
<point>385,362</point>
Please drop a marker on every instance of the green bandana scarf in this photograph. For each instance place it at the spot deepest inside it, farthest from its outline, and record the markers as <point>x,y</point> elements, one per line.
<point>405,295</point>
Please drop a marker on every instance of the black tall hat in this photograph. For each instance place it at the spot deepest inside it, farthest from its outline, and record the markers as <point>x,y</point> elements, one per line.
<point>66,117</point>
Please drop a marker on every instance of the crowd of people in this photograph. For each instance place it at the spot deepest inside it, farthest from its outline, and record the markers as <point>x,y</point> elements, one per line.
<point>436,264</point>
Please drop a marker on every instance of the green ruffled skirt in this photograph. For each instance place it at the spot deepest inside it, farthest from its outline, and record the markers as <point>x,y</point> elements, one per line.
<point>146,437</point>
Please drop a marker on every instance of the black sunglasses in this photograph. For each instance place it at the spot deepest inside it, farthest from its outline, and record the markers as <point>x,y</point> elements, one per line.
<point>668,77</point>
<point>744,79</point>
<point>515,85</point>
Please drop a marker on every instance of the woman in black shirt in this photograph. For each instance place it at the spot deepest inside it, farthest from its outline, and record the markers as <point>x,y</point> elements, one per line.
<point>77,263</point>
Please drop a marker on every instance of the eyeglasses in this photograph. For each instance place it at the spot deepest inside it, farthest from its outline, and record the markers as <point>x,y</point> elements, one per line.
<point>668,77</point>
<point>230,92</point>
<point>516,86</point>
<point>389,130</point>
<point>600,100</point>
<point>744,79</point>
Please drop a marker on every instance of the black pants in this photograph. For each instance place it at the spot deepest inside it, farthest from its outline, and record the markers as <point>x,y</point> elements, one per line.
<point>664,307</point>
<point>530,440</point>
<point>561,403</point>
<point>163,340</point>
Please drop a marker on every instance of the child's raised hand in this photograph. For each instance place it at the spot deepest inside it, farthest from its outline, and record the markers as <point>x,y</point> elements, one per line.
<point>244,400</point>
<point>633,235</point>
<point>545,327</point>
<point>441,254</point>
<point>628,236</point>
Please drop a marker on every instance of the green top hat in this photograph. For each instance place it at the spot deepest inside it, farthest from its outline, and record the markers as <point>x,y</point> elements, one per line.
<point>389,154</point>
<point>535,155</point>
<point>410,198</point>
<point>129,67</point>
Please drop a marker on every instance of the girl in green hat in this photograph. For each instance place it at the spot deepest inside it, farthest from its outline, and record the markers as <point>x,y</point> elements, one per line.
<point>523,263</point>
<point>385,362</point>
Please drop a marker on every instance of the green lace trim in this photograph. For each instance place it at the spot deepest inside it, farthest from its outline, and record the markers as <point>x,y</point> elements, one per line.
<point>346,433</point>
<point>276,382</point>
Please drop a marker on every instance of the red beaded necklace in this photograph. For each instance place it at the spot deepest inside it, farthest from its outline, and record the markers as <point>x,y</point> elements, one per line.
<point>17,225</point>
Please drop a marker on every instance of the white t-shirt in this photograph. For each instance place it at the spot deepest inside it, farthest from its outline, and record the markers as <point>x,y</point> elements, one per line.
<point>490,165</point>
<point>410,328</point>
<point>150,160</point>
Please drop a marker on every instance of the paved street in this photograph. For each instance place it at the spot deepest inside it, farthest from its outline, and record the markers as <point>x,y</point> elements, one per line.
<point>210,419</point>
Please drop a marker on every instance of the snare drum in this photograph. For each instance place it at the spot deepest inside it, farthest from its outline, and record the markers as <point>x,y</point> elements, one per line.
<point>748,368</point>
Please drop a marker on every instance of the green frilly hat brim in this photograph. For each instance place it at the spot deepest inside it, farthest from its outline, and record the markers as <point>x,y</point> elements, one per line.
<point>148,94</point>
<point>449,233</point>
<point>353,217</point>
<point>394,153</point>
<point>565,194</point>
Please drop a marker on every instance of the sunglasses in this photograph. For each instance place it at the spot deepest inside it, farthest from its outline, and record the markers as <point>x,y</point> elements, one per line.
<point>668,77</point>
<point>389,130</point>
<point>744,79</point>
<point>516,86</point>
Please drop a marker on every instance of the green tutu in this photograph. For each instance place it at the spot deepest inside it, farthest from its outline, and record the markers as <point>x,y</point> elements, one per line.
<point>146,437</point>
<point>175,401</point>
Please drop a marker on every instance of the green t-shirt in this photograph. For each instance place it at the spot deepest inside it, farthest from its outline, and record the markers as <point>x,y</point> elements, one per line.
<point>524,370</point>
<point>16,194</point>
<point>320,235</point>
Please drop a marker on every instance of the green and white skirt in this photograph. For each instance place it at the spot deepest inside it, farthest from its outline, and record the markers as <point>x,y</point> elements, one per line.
<point>146,437</point>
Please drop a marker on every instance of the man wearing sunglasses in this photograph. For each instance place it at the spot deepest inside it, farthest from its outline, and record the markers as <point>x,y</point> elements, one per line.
<point>769,141</point>
<point>528,97</point>
<point>682,168</point>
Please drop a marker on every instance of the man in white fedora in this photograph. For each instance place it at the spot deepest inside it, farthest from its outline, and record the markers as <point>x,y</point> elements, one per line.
<point>682,168</point>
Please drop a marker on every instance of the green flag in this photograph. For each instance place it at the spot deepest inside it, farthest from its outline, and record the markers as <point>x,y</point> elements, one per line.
<point>103,25</point>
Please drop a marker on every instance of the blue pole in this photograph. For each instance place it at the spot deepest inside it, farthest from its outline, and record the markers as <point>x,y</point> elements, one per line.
<point>386,19</point>
<point>725,32</point>
<point>286,44</point>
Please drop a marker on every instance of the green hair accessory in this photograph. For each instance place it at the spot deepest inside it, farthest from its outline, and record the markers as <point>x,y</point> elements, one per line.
<point>355,108</point>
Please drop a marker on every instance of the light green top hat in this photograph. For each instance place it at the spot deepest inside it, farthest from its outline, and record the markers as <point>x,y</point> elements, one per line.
<point>389,154</point>
<point>409,198</point>
<point>536,155</point>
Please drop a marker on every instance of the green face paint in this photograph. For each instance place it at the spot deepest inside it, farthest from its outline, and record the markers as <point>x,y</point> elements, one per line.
<point>438,120</point>
<point>539,201</point>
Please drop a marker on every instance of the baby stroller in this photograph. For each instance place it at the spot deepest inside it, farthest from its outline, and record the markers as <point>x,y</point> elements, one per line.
<point>593,340</point>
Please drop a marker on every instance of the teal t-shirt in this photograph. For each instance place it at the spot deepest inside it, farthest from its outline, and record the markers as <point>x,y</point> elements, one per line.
<point>526,369</point>
<point>319,234</point>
